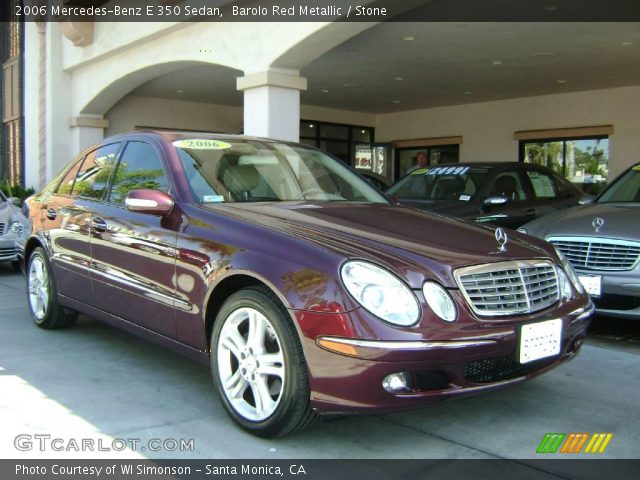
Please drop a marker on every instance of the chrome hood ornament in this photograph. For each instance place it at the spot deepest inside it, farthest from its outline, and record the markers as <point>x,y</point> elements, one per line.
<point>501,238</point>
<point>597,223</point>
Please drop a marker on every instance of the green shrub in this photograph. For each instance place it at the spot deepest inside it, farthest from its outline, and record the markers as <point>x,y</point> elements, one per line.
<point>15,190</point>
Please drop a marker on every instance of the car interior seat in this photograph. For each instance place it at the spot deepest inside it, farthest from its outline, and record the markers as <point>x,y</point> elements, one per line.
<point>448,188</point>
<point>506,185</point>
<point>240,180</point>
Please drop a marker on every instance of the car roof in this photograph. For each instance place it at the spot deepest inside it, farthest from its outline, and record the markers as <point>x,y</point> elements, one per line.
<point>172,135</point>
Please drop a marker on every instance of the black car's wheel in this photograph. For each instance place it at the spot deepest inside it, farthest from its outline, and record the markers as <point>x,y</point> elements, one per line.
<point>258,366</point>
<point>44,308</point>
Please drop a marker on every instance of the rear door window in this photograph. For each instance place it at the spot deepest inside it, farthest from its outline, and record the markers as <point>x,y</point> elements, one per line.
<point>93,177</point>
<point>543,184</point>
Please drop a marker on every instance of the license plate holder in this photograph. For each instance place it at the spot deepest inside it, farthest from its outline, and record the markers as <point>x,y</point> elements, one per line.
<point>592,284</point>
<point>540,340</point>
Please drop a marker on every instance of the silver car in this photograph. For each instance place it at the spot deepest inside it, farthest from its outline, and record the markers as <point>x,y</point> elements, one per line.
<point>13,224</point>
<point>602,242</point>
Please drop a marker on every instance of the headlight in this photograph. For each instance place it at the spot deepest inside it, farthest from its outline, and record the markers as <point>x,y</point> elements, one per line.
<point>564,284</point>
<point>440,301</point>
<point>568,268</point>
<point>16,228</point>
<point>380,292</point>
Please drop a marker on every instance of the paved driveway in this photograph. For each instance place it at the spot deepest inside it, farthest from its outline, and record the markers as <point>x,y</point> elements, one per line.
<point>97,383</point>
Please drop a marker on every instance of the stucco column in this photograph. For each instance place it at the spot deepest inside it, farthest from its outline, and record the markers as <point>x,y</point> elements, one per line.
<point>86,130</point>
<point>272,104</point>
<point>35,162</point>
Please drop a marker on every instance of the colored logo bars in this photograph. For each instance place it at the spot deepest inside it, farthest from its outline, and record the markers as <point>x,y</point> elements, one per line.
<point>574,443</point>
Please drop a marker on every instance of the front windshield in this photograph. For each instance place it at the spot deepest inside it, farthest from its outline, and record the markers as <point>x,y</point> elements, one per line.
<point>440,183</point>
<point>626,189</point>
<point>253,171</point>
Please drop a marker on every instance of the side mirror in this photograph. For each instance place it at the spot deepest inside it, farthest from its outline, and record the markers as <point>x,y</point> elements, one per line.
<point>14,201</point>
<point>585,199</point>
<point>153,202</point>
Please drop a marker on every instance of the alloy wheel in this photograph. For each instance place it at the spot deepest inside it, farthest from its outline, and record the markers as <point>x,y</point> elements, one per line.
<point>250,363</point>
<point>38,287</point>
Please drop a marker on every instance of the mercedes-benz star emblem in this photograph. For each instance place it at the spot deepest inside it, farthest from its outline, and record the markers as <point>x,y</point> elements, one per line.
<point>501,238</point>
<point>597,223</point>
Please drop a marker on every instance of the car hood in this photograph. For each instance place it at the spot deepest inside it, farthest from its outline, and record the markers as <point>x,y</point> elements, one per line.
<point>5,212</point>
<point>450,208</point>
<point>416,244</point>
<point>621,220</point>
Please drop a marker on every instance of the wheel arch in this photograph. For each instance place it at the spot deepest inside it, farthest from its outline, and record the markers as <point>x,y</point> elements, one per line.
<point>226,286</point>
<point>30,246</point>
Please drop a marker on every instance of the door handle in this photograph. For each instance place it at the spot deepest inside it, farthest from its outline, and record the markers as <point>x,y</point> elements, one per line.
<point>51,214</point>
<point>531,212</point>
<point>99,224</point>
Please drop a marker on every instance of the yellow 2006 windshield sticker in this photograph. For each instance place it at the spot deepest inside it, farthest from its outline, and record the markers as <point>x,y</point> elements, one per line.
<point>637,167</point>
<point>201,144</point>
<point>420,171</point>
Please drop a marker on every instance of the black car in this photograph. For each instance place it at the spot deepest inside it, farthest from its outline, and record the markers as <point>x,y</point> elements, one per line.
<point>508,194</point>
<point>378,181</point>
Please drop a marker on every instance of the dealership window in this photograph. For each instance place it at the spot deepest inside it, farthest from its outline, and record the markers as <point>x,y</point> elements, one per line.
<point>582,156</point>
<point>438,150</point>
<point>338,139</point>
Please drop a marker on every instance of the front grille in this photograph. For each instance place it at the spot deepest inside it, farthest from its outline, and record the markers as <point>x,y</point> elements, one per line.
<point>501,368</point>
<point>507,288</point>
<point>8,252</point>
<point>588,253</point>
<point>2,227</point>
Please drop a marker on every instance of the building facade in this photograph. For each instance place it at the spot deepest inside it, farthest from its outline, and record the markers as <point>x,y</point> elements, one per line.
<point>87,80</point>
<point>12,91</point>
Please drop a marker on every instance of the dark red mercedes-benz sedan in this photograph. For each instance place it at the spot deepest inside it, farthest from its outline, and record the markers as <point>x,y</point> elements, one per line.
<point>307,290</point>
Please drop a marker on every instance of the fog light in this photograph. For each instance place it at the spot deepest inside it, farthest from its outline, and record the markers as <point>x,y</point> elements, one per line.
<point>16,228</point>
<point>397,382</point>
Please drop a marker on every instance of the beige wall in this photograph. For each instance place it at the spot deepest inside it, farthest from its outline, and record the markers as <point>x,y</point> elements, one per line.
<point>310,112</point>
<point>133,111</point>
<point>488,127</point>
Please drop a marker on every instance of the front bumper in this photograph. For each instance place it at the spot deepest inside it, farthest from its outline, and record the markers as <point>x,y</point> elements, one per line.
<point>8,249</point>
<point>620,295</point>
<point>439,370</point>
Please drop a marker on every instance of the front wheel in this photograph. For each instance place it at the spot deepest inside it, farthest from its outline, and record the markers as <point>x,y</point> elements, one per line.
<point>258,365</point>
<point>41,291</point>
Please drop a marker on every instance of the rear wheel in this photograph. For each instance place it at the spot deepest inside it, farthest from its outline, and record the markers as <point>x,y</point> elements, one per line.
<point>258,366</point>
<point>42,295</point>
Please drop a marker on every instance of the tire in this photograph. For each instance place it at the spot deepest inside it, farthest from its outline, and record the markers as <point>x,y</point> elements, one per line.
<point>272,365</point>
<point>45,310</point>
